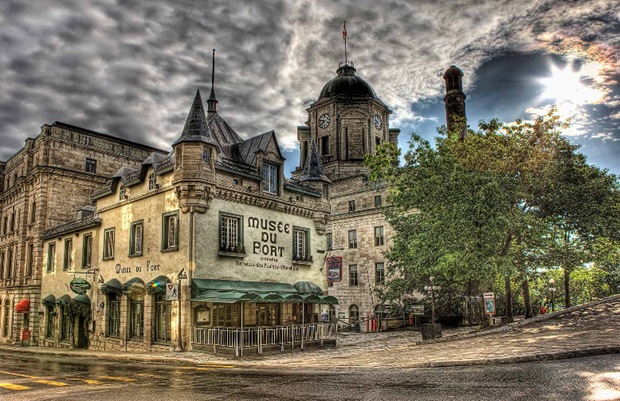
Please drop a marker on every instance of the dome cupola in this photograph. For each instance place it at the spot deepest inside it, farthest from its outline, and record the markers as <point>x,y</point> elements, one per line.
<point>347,84</point>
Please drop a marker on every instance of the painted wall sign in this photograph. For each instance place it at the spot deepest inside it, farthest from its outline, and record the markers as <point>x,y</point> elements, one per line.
<point>79,285</point>
<point>268,244</point>
<point>150,267</point>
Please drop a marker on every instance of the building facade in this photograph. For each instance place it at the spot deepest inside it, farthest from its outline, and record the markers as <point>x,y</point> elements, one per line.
<point>41,186</point>
<point>215,216</point>
<point>244,245</point>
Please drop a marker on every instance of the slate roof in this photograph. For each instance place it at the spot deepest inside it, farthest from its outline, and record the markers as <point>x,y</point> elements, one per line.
<point>196,128</point>
<point>313,170</point>
<point>72,227</point>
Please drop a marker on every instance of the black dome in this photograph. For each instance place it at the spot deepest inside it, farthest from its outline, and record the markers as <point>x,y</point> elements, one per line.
<point>347,85</point>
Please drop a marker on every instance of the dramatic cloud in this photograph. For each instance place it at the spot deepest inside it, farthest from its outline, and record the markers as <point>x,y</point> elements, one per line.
<point>130,68</point>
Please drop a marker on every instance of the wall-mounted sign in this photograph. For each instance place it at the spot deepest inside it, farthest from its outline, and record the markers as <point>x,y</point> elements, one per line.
<point>334,268</point>
<point>172,292</point>
<point>79,285</point>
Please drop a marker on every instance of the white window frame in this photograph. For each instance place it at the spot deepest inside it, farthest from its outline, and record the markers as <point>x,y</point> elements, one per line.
<point>270,178</point>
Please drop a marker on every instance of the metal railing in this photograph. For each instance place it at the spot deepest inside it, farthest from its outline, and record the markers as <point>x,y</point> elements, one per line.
<point>260,337</point>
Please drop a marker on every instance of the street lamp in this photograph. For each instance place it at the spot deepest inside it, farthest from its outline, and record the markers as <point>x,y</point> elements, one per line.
<point>552,291</point>
<point>432,288</point>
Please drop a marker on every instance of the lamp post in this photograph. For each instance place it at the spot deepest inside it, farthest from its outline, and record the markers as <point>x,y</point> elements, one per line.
<point>181,276</point>
<point>552,291</point>
<point>432,288</point>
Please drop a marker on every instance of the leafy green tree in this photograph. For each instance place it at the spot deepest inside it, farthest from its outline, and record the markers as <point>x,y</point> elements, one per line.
<point>492,204</point>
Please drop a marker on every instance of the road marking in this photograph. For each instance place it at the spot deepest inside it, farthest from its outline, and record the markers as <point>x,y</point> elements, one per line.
<point>51,383</point>
<point>118,378</point>
<point>87,381</point>
<point>149,375</point>
<point>19,375</point>
<point>15,387</point>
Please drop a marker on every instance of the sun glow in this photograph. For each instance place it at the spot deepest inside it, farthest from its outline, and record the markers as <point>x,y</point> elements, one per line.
<point>567,86</point>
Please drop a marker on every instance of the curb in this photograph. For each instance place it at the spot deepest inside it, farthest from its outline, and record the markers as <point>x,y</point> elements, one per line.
<point>525,322</point>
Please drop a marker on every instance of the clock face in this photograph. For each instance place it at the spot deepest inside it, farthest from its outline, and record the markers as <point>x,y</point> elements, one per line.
<point>324,120</point>
<point>378,122</point>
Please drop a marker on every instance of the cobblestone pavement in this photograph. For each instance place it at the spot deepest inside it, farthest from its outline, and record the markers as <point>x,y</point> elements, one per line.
<point>587,330</point>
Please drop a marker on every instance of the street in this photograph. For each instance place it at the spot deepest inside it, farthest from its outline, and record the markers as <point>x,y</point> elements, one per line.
<point>46,377</point>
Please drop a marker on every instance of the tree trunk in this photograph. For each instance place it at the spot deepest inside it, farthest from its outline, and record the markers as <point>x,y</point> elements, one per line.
<point>509,317</point>
<point>567,288</point>
<point>525,286</point>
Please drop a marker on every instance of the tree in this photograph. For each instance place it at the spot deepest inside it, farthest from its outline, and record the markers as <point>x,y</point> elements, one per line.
<point>492,203</point>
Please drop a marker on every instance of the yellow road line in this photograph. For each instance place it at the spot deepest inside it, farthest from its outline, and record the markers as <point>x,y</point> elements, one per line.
<point>149,375</point>
<point>18,375</point>
<point>119,378</point>
<point>50,383</point>
<point>15,387</point>
<point>87,381</point>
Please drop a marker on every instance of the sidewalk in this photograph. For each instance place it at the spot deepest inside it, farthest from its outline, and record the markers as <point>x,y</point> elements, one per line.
<point>585,330</point>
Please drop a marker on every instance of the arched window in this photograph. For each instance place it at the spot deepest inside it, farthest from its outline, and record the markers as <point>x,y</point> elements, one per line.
<point>114,315</point>
<point>66,324</point>
<point>6,318</point>
<point>136,314</point>
<point>354,314</point>
<point>161,333</point>
<point>49,327</point>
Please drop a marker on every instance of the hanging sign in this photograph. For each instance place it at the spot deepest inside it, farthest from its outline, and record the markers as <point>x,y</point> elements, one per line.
<point>172,292</point>
<point>79,285</point>
<point>334,268</point>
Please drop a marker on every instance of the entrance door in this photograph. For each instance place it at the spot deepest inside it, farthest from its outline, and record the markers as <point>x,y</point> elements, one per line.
<point>82,333</point>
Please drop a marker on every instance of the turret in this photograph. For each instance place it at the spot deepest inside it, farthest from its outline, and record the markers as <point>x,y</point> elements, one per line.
<point>455,101</point>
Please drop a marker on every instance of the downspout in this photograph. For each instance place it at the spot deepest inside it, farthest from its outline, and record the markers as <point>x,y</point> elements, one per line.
<point>190,274</point>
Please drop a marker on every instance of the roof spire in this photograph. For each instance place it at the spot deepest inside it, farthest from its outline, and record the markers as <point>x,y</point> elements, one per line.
<point>212,101</point>
<point>344,37</point>
<point>313,170</point>
<point>196,128</point>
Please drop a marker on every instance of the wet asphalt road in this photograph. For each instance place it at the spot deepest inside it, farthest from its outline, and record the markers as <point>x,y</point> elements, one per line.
<point>37,377</point>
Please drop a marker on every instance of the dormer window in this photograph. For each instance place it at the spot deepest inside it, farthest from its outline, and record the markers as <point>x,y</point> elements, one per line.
<point>270,178</point>
<point>152,181</point>
<point>121,193</point>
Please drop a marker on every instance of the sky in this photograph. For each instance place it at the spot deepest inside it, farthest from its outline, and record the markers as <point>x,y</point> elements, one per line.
<point>131,68</point>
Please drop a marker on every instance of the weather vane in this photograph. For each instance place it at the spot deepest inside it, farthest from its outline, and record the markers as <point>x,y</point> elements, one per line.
<point>344,37</point>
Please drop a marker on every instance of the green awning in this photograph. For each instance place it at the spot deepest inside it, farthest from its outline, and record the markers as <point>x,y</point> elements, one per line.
<point>157,285</point>
<point>134,283</point>
<point>272,297</point>
<point>112,287</point>
<point>63,300</point>
<point>329,299</point>
<point>293,298</point>
<point>308,287</point>
<point>311,299</point>
<point>82,298</point>
<point>199,284</point>
<point>49,300</point>
<point>226,297</point>
<point>229,291</point>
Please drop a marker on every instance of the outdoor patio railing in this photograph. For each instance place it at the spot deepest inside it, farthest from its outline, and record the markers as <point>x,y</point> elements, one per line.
<point>260,337</point>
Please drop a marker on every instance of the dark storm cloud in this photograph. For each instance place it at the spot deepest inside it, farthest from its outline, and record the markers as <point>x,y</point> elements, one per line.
<point>131,68</point>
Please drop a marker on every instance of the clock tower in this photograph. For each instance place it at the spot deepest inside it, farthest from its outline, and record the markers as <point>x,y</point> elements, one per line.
<point>347,122</point>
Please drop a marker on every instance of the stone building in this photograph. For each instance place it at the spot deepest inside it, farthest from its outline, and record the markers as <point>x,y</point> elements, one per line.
<point>349,121</point>
<point>217,216</point>
<point>41,186</point>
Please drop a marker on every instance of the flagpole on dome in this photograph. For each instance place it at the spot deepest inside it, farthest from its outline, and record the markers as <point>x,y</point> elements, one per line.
<point>344,37</point>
